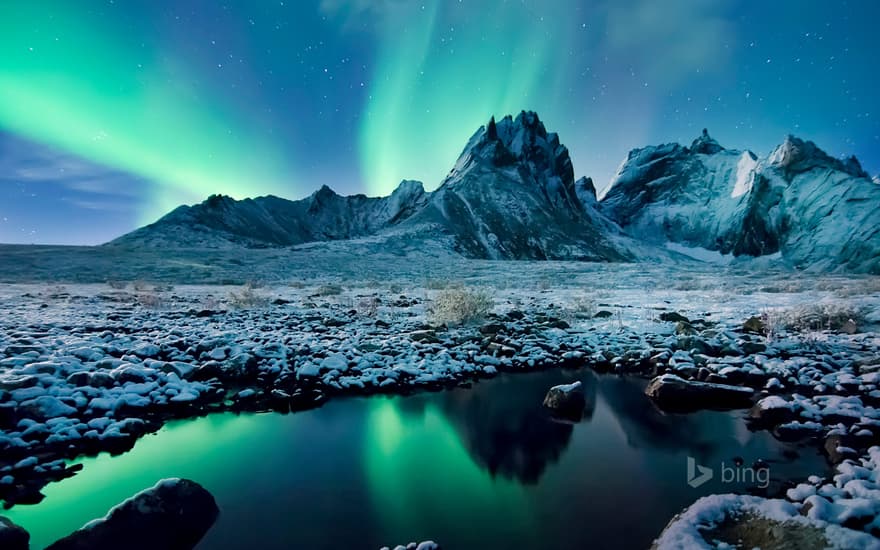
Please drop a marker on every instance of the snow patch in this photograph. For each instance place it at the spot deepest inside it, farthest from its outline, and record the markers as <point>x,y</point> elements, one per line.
<point>745,175</point>
<point>701,254</point>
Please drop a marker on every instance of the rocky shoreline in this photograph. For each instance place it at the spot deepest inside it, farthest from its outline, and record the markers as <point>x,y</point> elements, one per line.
<point>89,369</point>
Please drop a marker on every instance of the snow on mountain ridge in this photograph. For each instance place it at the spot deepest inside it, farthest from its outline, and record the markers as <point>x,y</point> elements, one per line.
<point>801,155</point>
<point>816,210</point>
<point>512,195</point>
<point>221,221</point>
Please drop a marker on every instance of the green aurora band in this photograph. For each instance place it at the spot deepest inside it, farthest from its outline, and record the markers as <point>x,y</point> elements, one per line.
<point>70,80</point>
<point>407,131</point>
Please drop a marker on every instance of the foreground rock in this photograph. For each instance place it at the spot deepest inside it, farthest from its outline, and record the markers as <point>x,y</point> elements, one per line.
<point>426,545</point>
<point>85,370</point>
<point>12,536</point>
<point>566,400</point>
<point>174,514</point>
<point>675,394</point>
<point>742,521</point>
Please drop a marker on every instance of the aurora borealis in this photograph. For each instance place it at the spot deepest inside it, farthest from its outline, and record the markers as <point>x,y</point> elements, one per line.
<point>120,110</point>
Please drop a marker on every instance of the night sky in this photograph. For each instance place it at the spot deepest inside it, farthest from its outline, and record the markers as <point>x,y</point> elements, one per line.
<point>114,112</point>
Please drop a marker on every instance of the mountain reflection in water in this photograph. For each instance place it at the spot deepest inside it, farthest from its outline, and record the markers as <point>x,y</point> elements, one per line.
<point>484,467</point>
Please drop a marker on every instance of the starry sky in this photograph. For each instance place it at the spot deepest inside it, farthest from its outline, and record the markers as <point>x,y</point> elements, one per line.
<point>113,112</point>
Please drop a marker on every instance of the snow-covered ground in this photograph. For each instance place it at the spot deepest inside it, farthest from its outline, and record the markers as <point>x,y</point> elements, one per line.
<point>93,366</point>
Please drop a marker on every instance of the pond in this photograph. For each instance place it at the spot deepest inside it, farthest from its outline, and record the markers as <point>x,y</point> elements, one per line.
<point>484,467</point>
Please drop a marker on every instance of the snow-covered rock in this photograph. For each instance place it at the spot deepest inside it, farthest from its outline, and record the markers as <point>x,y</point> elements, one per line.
<point>45,407</point>
<point>673,393</point>
<point>742,521</point>
<point>566,400</point>
<point>424,545</point>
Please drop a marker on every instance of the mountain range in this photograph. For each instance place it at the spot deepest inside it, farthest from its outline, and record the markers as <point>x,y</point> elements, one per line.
<point>512,194</point>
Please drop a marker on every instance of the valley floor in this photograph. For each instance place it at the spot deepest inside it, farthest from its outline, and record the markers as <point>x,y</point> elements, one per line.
<point>99,347</point>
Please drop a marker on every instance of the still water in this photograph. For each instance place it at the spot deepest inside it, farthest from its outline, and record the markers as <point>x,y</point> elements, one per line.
<point>470,468</point>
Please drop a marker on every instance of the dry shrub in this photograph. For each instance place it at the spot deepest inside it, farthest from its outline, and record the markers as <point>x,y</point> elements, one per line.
<point>149,300</point>
<point>368,306</point>
<point>460,306</point>
<point>580,307</point>
<point>328,290</point>
<point>812,317</point>
<point>247,298</point>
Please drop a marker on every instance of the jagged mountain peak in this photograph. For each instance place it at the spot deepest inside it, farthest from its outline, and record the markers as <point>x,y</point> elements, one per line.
<point>325,191</point>
<point>512,195</point>
<point>218,201</point>
<point>522,141</point>
<point>705,144</point>
<point>586,191</point>
<point>409,187</point>
<point>798,155</point>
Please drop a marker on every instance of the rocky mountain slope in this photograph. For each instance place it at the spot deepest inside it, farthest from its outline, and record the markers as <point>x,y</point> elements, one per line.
<point>273,221</point>
<point>511,195</point>
<point>812,209</point>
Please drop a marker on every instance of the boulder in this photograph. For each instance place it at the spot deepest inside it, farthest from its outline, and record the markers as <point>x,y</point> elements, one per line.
<point>836,448</point>
<point>425,336</point>
<point>674,394</point>
<point>208,370</point>
<point>772,411</point>
<point>491,329</point>
<point>174,514</point>
<point>17,381</point>
<point>674,317</point>
<point>751,348</point>
<point>45,407</point>
<point>12,536</point>
<point>93,379</point>
<point>425,545</point>
<point>566,400</point>
<point>754,325</point>
<point>515,315</point>
<point>683,328</point>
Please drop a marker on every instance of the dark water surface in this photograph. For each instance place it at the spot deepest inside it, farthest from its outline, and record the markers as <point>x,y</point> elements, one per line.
<point>469,468</point>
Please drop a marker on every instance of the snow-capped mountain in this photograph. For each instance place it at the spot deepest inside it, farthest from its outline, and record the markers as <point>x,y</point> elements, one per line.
<point>512,195</point>
<point>812,209</point>
<point>273,221</point>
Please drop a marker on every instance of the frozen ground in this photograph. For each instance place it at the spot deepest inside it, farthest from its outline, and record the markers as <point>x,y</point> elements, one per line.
<point>99,347</point>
